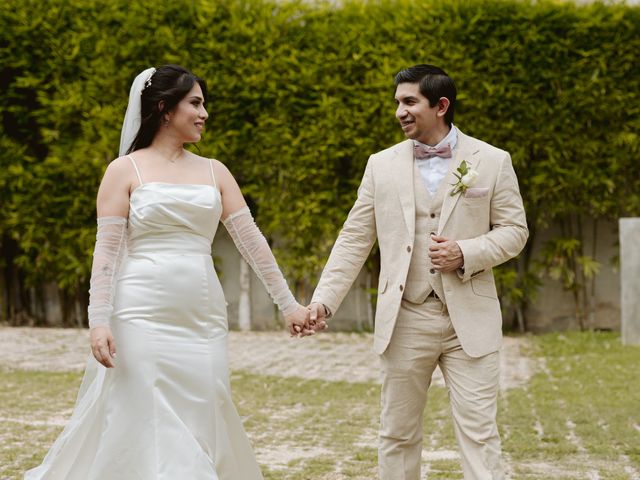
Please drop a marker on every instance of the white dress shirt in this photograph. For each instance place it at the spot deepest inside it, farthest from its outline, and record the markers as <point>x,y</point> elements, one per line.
<point>433,170</point>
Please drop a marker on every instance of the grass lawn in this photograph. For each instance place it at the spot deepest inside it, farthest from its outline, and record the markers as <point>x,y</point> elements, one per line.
<point>577,418</point>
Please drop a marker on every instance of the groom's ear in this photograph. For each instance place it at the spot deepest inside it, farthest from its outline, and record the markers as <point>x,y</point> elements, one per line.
<point>443,106</point>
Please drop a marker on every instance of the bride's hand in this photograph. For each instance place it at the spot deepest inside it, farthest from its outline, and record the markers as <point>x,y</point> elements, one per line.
<point>103,345</point>
<point>298,322</point>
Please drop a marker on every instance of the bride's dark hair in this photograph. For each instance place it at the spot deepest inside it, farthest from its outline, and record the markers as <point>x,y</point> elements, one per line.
<point>169,84</point>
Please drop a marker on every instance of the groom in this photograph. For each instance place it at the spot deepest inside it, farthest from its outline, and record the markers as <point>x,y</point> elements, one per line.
<point>445,208</point>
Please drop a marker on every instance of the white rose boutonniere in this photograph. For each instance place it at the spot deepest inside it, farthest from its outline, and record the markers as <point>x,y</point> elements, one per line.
<point>466,176</point>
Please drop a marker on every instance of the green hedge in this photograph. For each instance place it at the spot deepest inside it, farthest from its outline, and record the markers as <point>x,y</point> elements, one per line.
<point>301,94</point>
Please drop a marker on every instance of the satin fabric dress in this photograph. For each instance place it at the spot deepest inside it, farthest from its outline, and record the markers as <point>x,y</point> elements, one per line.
<point>164,412</point>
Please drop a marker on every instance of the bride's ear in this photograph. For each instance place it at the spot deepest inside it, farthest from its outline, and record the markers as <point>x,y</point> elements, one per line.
<point>164,116</point>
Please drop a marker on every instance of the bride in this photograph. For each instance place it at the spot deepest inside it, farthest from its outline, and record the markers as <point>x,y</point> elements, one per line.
<point>160,408</point>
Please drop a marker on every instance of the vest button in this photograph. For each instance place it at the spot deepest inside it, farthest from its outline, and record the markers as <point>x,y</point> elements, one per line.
<point>401,288</point>
<point>432,271</point>
<point>433,215</point>
<point>409,248</point>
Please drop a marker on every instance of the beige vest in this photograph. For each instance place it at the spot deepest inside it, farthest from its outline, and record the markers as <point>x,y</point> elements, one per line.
<point>422,279</point>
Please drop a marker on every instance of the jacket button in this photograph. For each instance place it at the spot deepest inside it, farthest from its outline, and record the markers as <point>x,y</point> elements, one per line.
<point>409,248</point>
<point>401,288</point>
<point>433,215</point>
<point>432,271</point>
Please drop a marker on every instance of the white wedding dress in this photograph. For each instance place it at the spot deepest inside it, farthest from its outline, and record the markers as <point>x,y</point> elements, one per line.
<point>165,411</point>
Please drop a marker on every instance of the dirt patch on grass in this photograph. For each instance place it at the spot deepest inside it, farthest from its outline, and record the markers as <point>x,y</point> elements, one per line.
<point>327,356</point>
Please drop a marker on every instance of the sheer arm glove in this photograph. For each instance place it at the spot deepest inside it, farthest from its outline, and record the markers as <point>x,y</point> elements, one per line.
<point>109,250</point>
<point>254,248</point>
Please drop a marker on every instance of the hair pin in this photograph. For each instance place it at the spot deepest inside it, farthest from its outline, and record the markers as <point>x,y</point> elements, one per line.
<point>147,82</point>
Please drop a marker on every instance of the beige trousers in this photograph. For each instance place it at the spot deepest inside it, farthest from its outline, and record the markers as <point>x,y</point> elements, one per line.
<point>423,338</point>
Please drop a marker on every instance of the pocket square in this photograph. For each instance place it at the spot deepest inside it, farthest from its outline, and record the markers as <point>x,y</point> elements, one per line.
<point>476,192</point>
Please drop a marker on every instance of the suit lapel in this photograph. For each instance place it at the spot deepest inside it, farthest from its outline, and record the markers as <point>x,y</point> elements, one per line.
<point>466,149</point>
<point>401,170</point>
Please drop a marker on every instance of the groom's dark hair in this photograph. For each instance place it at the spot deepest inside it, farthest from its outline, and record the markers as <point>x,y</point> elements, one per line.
<point>434,84</point>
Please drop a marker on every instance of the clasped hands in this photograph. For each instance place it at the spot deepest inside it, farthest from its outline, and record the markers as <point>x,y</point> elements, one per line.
<point>307,321</point>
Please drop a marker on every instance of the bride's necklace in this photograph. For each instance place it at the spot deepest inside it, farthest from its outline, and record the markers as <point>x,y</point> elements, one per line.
<point>175,160</point>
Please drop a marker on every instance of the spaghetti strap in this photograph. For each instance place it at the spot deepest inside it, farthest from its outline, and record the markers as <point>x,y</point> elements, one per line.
<point>136,167</point>
<point>213,177</point>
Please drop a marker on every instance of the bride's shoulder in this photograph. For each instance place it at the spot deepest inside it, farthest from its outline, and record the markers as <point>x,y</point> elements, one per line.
<point>217,165</point>
<point>204,159</point>
<point>120,167</point>
<point>120,161</point>
<point>120,164</point>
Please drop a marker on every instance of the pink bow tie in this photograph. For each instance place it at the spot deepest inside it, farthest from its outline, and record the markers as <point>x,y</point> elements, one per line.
<point>425,151</point>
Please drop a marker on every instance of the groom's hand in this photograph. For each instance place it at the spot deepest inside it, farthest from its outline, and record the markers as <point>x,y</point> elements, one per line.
<point>317,317</point>
<point>445,254</point>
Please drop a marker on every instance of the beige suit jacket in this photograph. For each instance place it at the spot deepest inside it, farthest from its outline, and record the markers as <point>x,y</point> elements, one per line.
<point>488,222</point>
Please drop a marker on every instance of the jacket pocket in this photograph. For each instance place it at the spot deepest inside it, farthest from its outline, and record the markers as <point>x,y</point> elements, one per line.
<point>484,287</point>
<point>475,192</point>
<point>475,202</point>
